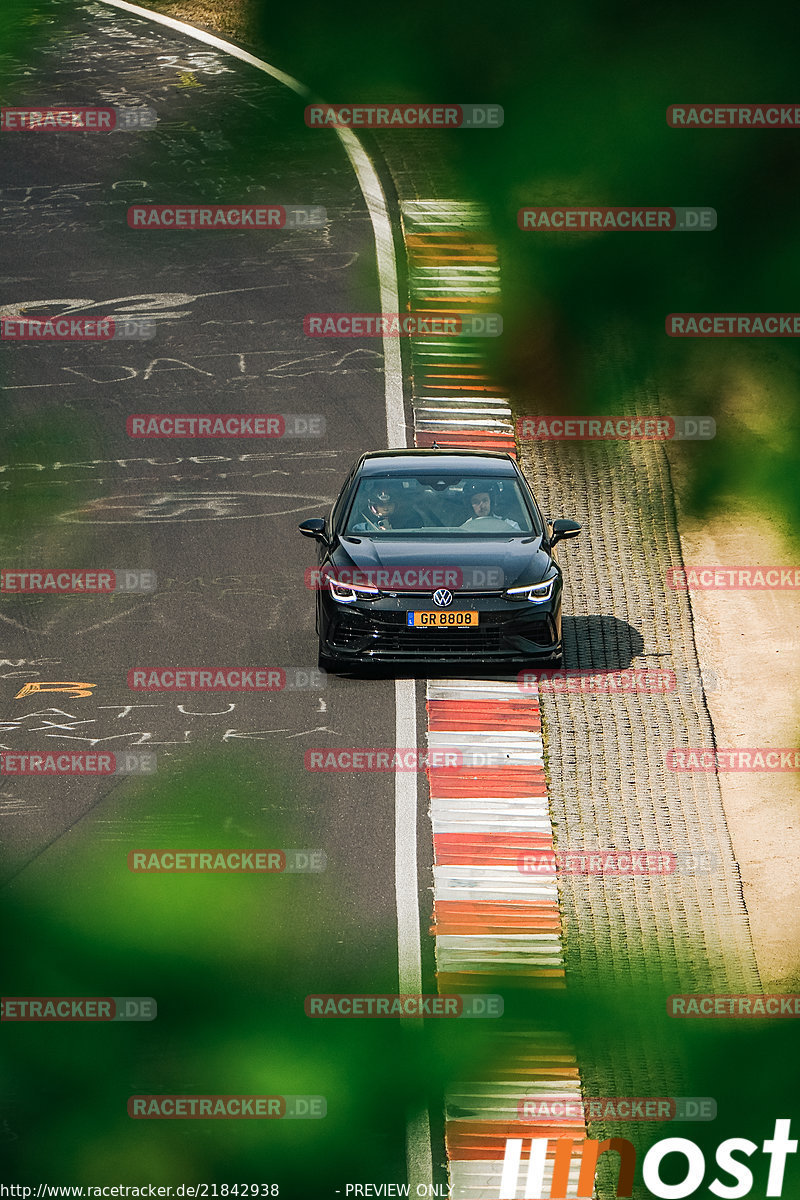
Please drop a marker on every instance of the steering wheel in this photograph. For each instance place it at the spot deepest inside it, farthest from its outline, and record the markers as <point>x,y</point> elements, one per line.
<point>369,520</point>
<point>487,525</point>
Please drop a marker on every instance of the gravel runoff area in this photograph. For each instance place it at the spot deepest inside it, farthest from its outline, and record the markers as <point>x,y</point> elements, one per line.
<point>609,783</point>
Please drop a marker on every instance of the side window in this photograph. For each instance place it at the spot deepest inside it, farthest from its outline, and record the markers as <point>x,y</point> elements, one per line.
<point>544,523</point>
<point>509,505</point>
<point>539,521</point>
<point>338,506</point>
<point>533,521</point>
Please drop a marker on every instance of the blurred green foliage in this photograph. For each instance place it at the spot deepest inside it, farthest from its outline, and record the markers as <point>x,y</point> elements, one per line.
<point>229,960</point>
<point>585,92</point>
<point>26,499</point>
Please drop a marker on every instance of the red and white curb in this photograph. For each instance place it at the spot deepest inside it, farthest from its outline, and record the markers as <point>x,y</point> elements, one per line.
<point>453,267</point>
<point>491,921</point>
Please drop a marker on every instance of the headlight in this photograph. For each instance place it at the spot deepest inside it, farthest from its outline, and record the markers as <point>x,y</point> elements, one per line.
<point>349,593</point>
<point>537,593</point>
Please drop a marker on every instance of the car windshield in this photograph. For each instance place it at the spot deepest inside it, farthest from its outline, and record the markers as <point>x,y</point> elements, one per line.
<point>457,506</point>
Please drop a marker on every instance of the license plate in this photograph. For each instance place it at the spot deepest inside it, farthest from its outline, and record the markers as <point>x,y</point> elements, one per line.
<point>450,619</point>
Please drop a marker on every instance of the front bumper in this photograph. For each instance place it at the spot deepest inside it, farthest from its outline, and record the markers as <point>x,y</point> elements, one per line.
<point>377,631</point>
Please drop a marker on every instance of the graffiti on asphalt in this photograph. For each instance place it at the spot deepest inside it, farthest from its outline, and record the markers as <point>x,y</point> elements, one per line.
<point>75,690</point>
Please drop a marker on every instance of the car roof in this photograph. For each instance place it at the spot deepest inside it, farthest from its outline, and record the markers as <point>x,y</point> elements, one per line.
<point>437,462</point>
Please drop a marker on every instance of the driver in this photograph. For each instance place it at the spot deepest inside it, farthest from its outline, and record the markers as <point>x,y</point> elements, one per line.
<point>382,510</point>
<point>483,499</point>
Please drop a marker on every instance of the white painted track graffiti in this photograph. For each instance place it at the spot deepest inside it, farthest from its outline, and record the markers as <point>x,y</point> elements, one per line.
<point>188,506</point>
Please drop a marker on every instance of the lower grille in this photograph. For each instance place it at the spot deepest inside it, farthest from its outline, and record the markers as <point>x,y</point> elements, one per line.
<point>442,641</point>
<point>389,634</point>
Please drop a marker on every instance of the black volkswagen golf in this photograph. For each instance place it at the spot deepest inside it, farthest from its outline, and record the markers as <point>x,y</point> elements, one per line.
<point>437,556</point>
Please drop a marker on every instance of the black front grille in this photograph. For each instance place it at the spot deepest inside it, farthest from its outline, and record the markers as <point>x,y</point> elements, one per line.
<point>349,639</point>
<point>442,640</point>
<point>534,631</point>
<point>381,633</point>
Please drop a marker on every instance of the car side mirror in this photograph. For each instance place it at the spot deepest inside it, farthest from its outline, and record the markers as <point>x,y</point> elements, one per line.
<point>314,528</point>
<point>563,529</point>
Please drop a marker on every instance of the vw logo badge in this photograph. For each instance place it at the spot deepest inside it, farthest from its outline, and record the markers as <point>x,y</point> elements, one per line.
<point>443,598</point>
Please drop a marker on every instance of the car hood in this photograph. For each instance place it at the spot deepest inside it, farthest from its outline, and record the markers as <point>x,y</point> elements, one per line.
<point>521,560</point>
